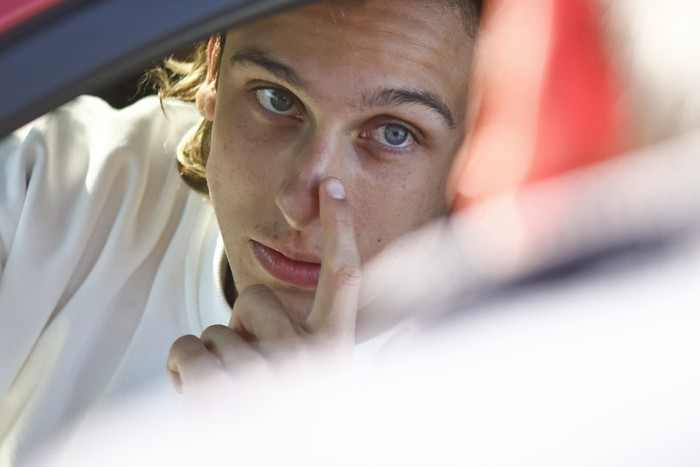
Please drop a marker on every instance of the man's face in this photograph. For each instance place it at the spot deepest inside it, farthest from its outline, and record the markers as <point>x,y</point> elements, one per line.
<point>372,93</point>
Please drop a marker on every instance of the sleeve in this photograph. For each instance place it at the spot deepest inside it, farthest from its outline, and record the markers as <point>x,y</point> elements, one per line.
<point>11,194</point>
<point>42,170</point>
<point>17,162</point>
<point>79,188</point>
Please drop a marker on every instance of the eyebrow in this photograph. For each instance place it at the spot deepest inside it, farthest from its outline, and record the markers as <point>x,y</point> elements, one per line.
<point>252,56</point>
<point>427,99</point>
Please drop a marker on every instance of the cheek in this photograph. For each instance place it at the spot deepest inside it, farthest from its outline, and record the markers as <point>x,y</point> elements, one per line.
<point>395,207</point>
<point>231,176</point>
<point>239,158</point>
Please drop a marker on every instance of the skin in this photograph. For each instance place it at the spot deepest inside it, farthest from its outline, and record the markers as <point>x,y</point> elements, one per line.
<point>313,156</point>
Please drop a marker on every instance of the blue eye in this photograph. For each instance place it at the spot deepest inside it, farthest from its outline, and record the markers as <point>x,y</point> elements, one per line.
<point>394,135</point>
<point>276,100</point>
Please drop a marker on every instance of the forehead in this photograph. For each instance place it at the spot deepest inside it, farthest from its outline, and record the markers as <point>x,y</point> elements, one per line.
<point>408,42</point>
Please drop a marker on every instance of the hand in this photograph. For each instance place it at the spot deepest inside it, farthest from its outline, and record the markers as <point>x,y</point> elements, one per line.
<point>262,342</point>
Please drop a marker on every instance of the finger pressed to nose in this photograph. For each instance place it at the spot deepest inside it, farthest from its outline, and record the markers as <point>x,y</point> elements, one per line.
<point>335,305</point>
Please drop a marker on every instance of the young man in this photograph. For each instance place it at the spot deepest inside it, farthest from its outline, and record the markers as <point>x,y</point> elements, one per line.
<point>332,129</point>
<point>324,148</point>
<point>351,155</point>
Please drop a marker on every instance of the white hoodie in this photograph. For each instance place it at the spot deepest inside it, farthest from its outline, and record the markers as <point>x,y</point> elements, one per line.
<point>106,257</point>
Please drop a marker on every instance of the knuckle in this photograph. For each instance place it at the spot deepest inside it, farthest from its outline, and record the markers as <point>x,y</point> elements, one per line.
<point>185,352</point>
<point>184,345</point>
<point>346,274</point>
<point>253,297</point>
<point>259,312</point>
<point>345,222</point>
<point>212,332</point>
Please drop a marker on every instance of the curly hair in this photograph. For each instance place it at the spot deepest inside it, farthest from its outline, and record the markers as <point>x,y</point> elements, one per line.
<point>181,79</point>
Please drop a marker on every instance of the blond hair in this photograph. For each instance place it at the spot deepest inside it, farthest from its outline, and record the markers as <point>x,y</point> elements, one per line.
<point>181,79</point>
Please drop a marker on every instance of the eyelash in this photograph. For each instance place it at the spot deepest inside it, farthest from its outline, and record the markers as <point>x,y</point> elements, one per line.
<point>365,135</point>
<point>275,115</point>
<point>415,140</point>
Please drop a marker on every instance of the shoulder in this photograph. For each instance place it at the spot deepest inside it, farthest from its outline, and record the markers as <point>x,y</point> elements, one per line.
<point>148,122</point>
<point>87,137</point>
<point>87,156</point>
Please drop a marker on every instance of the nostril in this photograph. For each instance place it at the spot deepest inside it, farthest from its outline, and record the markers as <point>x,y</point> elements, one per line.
<point>312,160</point>
<point>298,203</point>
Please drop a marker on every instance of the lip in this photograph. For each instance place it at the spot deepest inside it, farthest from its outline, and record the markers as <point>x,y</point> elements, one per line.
<point>303,274</point>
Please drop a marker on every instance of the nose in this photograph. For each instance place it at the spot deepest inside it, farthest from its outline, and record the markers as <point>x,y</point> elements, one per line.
<point>311,162</point>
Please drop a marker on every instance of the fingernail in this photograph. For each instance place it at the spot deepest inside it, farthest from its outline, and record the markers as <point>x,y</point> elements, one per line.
<point>335,189</point>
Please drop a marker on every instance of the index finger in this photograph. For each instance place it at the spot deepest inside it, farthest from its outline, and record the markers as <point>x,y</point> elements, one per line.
<point>334,310</point>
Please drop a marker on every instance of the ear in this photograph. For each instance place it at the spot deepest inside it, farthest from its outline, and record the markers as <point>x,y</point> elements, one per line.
<point>206,95</point>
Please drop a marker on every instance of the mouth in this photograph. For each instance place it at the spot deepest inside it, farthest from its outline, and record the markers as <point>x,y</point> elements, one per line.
<point>295,272</point>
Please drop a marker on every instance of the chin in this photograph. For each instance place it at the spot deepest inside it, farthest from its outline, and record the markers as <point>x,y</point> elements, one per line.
<point>298,304</point>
